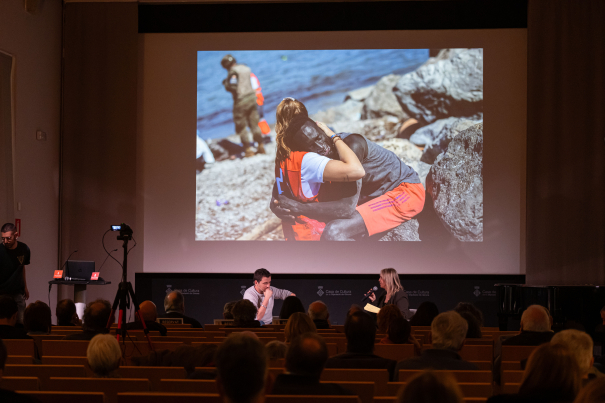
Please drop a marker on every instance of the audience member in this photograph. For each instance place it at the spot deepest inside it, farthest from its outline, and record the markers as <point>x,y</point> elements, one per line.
<point>472,309</point>
<point>386,315</point>
<point>174,305</point>
<point>227,310</point>
<point>426,312</point>
<point>37,318</point>
<point>431,387</point>
<point>305,362</point>
<point>186,356</point>
<point>298,324</point>
<point>360,331</point>
<point>474,329</point>
<point>291,305</point>
<point>244,314</point>
<point>104,356</point>
<point>96,316</point>
<point>448,332</point>
<point>552,375</point>
<point>9,311</point>
<point>318,312</point>
<point>66,313</point>
<point>593,392</point>
<point>241,364</point>
<point>580,344</point>
<point>149,312</point>
<point>354,308</point>
<point>9,395</point>
<point>535,328</point>
<point>276,349</point>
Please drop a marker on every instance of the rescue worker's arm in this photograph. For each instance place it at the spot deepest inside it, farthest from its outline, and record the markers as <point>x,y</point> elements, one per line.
<point>230,83</point>
<point>277,209</point>
<point>349,168</point>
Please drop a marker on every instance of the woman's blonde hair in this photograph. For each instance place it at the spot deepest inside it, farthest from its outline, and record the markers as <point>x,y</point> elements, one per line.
<point>391,280</point>
<point>552,369</point>
<point>286,111</point>
<point>298,324</point>
<point>431,387</point>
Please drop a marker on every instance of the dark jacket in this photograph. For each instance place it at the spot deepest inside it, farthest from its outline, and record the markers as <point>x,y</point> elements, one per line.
<point>151,326</point>
<point>322,324</point>
<point>290,384</point>
<point>400,298</point>
<point>537,398</point>
<point>12,332</point>
<point>358,360</point>
<point>437,358</point>
<point>526,338</point>
<point>186,319</point>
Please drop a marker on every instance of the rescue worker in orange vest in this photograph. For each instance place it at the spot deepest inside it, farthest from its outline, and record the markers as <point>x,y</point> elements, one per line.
<point>260,101</point>
<point>245,112</point>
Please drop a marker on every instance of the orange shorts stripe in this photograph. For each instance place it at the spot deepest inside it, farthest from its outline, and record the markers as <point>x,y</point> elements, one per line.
<point>393,208</point>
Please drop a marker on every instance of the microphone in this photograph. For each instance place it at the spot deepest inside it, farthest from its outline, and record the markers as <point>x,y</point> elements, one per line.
<point>75,279</point>
<point>68,259</point>
<point>109,254</point>
<point>367,295</point>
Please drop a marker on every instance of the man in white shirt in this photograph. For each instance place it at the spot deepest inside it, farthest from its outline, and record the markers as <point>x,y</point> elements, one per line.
<point>262,295</point>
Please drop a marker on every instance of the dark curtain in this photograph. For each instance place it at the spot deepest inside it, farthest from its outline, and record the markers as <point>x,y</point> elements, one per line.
<point>565,142</point>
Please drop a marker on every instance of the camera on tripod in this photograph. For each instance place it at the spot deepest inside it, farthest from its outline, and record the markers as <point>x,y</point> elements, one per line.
<point>125,231</point>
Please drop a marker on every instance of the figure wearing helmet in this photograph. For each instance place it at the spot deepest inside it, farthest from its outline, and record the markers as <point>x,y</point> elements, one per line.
<point>245,111</point>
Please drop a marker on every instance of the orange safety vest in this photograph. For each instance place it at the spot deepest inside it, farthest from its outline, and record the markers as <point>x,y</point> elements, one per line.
<point>260,100</point>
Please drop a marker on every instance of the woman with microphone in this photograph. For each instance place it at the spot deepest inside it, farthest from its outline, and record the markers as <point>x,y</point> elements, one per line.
<point>395,294</point>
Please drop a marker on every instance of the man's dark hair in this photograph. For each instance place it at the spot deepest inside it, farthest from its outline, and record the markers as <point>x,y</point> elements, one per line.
<point>8,307</point>
<point>96,315</point>
<point>399,330</point>
<point>260,273</point>
<point>3,355</point>
<point>291,305</point>
<point>175,304</point>
<point>9,226</point>
<point>360,331</point>
<point>426,312</point>
<point>241,364</point>
<point>307,355</point>
<point>65,311</point>
<point>470,308</point>
<point>243,311</point>
<point>227,310</point>
<point>474,329</point>
<point>37,317</point>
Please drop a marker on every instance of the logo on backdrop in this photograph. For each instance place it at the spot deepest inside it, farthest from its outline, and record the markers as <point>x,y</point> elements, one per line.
<point>243,290</point>
<point>184,291</point>
<point>418,293</point>
<point>168,289</point>
<point>320,291</point>
<point>477,292</point>
<point>333,293</point>
<point>483,293</point>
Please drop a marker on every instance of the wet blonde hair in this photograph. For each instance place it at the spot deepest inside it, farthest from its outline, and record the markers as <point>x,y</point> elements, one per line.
<point>286,111</point>
<point>391,280</point>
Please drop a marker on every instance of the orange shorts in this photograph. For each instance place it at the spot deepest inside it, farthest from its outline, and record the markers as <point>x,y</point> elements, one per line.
<point>392,208</point>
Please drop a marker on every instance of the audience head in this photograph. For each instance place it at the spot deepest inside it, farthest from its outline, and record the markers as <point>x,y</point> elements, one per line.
<point>104,355</point>
<point>580,344</point>
<point>354,308</point>
<point>8,310</point>
<point>399,331</point>
<point>66,312</point>
<point>174,302</point>
<point>318,311</point>
<point>551,370</point>
<point>227,310</point>
<point>593,392</point>
<point>9,235</point>
<point>449,331</point>
<point>241,363</point>
<point>276,349</point>
<point>474,329</point>
<point>535,319</point>
<point>360,332</point>
<point>190,357</point>
<point>243,312</point>
<point>37,317</point>
<point>389,280</point>
<point>426,312</point>
<point>148,311</point>
<point>307,355</point>
<point>298,324</point>
<point>96,315</point>
<point>386,315</point>
<point>470,308</point>
<point>431,387</point>
<point>291,305</point>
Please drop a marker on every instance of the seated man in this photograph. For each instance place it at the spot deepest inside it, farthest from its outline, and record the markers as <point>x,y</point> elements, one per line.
<point>244,314</point>
<point>581,345</point>
<point>96,316</point>
<point>360,331</point>
<point>66,313</point>
<point>9,311</point>
<point>9,395</point>
<point>448,331</point>
<point>149,313</point>
<point>535,328</point>
<point>305,362</point>
<point>241,364</point>
<point>318,312</point>
<point>174,305</point>
<point>37,318</point>
<point>104,356</point>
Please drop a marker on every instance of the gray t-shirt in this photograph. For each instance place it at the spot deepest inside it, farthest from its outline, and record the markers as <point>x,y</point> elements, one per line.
<point>257,299</point>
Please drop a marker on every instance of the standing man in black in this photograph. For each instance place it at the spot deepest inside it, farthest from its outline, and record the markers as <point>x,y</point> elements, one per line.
<point>14,256</point>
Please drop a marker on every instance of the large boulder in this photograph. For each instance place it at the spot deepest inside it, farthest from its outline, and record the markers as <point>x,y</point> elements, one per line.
<point>408,231</point>
<point>373,129</point>
<point>359,94</point>
<point>444,87</point>
<point>437,136</point>
<point>455,182</point>
<point>381,101</point>
<point>348,111</point>
<point>405,150</point>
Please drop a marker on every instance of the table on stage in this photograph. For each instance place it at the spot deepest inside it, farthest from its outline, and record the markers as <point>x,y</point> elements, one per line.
<point>79,291</point>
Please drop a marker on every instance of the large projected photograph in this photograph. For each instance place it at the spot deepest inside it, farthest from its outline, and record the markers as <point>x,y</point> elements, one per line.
<point>354,144</point>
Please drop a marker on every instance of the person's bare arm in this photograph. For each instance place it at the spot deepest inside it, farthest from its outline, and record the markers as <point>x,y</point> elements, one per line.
<point>349,168</point>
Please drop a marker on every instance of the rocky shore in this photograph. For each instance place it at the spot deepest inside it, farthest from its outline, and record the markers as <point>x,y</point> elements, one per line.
<point>430,118</point>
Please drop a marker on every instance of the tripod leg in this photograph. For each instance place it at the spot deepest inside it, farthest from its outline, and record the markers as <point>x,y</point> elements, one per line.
<point>138,314</point>
<point>114,307</point>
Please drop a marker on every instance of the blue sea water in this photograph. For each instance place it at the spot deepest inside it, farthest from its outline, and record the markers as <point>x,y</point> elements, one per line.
<point>318,78</point>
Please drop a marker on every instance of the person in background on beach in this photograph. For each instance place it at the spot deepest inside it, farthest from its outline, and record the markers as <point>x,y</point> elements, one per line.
<point>245,112</point>
<point>260,102</point>
<point>390,193</point>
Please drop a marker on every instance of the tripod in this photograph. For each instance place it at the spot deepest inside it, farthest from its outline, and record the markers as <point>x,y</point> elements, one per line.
<point>126,292</point>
